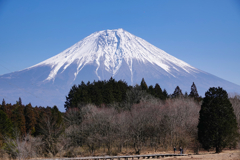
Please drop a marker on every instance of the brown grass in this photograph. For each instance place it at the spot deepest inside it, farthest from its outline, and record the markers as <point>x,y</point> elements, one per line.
<point>225,155</point>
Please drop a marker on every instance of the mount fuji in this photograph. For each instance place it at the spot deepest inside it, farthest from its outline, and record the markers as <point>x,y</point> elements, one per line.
<point>104,54</point>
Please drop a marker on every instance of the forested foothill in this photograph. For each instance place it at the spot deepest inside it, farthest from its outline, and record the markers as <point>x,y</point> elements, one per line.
<point>112,118</point>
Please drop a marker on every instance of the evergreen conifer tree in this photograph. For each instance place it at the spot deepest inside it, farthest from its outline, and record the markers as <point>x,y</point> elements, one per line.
<point>144,85</point>
<point>158,92</point>
<point>5,125</point>
<point>3,106</point>
<point>177,92</point>
<point>217,125</point>
<point>194,92</point>
<point>18,118</point>
<point>3,102</point>
<point>56,115</point>
<point>30,118</point>
<point>20,101</point>
<point>165,94</point>
<point>70,100</point>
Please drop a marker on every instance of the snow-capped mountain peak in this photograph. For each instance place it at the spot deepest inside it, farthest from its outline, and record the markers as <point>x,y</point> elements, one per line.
<point>110,48</point>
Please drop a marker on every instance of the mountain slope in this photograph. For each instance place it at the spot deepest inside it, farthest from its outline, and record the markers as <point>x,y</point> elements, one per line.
<point>108,50</point>
<point>101,55</point>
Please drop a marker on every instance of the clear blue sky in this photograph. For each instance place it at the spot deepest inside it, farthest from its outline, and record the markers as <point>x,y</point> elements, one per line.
<point>203,33</point>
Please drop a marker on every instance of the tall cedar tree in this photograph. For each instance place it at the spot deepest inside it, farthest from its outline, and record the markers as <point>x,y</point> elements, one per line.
<point>165,94</point>
<point>3,103</point>
<point>194,92</point>
<point>5,125</point>
<point>30,118</point>
<point>158,92</point>
<point>20,101</point>
<point>18,118</point>
<point>177,92</point>
<point>57,115</point>
<point>3,107</point>
<point>144,85</point>
<point>217,125</point>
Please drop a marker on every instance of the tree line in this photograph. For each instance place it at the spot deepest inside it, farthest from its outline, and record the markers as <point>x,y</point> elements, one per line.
<point>102,93</point>
<point>19,122</point>
<point>144,118</point>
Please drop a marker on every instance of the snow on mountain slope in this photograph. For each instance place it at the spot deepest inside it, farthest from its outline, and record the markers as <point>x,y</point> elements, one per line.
<point>112,47</point>
<point>104,54</point>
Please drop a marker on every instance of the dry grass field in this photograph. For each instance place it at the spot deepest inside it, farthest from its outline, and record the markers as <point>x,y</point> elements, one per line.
<point>225,155</point>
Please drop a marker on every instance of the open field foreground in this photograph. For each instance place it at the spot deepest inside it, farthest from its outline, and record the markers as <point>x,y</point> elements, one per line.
<point>225,155</point>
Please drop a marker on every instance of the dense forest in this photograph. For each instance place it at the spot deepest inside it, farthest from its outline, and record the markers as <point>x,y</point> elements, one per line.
<point>105,117</point>
<point>107,92</point>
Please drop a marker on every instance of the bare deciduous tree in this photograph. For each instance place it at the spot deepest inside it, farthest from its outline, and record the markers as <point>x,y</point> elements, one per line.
<point>235,100</point>
<point>50,131</point>
<point>150,123</point>
<point>23,147</point>
<point>236,106</point>
<point>180,121</point>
